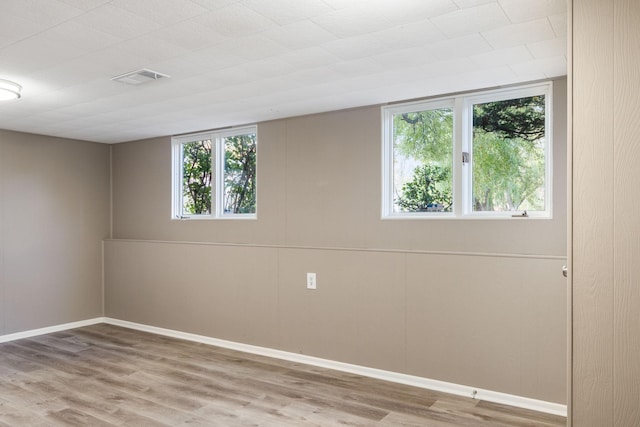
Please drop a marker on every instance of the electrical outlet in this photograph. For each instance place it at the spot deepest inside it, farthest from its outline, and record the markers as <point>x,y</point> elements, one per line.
<point>311,280</point>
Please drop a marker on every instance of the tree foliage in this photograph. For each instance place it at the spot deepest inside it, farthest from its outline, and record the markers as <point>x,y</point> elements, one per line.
<point>507,172</point>
<point>425,137</point>
<point>240,174</point>
<point>428,186</point>
<point>196,177</point>
<point>519,118</point>
<point>508,155</point>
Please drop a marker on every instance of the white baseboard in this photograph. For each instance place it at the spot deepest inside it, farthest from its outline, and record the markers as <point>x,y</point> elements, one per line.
<point>426,383</point>
<point>50,329</point>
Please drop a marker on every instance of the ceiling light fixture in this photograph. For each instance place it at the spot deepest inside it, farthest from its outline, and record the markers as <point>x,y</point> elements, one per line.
<point>9,90</point>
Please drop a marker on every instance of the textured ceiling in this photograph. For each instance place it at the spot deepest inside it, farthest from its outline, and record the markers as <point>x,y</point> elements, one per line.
<point>243,61</point>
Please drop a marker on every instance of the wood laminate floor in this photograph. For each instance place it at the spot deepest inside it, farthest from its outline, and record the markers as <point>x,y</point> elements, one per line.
<point>104,375</point>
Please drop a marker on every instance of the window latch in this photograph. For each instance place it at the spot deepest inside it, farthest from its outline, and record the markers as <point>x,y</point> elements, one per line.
<point>522,215</point>
<point>465,157</point>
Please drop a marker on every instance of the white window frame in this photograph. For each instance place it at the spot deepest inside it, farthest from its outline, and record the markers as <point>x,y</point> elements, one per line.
<point>388,154</point>
<point>217,174</point>
<point>462,140</point>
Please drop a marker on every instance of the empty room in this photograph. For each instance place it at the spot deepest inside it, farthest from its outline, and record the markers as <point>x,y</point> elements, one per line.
<point>319,213</point>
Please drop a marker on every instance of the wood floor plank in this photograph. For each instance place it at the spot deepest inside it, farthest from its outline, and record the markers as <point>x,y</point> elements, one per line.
<point>103,375</point>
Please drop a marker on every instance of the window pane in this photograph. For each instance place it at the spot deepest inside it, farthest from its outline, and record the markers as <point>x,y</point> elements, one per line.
<point>196,178</point>
<point>509,155</point>
<point>422,161</point>
<point>240,174</point>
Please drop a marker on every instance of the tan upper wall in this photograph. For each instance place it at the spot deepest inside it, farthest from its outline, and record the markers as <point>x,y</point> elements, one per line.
<point>319,185</point>
<point>54,213</point>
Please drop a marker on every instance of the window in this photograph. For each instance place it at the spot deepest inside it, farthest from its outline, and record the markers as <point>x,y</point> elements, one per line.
<point>476,155</point>
<point>214,174</point>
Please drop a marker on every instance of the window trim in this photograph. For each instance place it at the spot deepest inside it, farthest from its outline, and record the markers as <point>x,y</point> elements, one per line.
<point>217,173</point>
<point>388,154</point>
<point>462,140</point>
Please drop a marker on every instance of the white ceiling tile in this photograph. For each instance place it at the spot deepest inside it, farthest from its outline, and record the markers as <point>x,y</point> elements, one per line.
<point>164,12</point>
<point>16,29</point>
<point>308,58</point>
<point>235,20</point>
<point>343,4</point>
<point>266,68</point>
<point>356,68</point>
<point>285,12</point>
<point>301,34</point>
<point>523,33</point>
<point>114,61</point>
<point>456,48</point>
<point>400,58</point>
<point>314,76</point>
<point>150,49</point>
<point>447,67</point>
<point>354,47</point>
<point>528,10</point>
<point>212,58</point>
<point>37,53</point>
<point>190,35</point>
<point>408,11</point>
<point>233,62</point>
<point>180,68</point>
<point>252,47</point>
<point>85,4</point>
<point>215,4</point>
<point>91,39</point>
<point>463,4</point>
<point>545,67</point>
<point>559,24</point>
<point>409,35</point>
<point>555,67</point>
<point>353,21</point>
<point>44,13</point>
<point>499,57</point>
<point>471,20</point>
<point>549,48</point>
<point>69,73</point>
<point>117,22</point>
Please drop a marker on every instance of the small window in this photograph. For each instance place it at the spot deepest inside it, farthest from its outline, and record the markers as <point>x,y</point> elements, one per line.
<point>509,155</point>
<point>422,158</point>
<point>196,177</point>
<point>239,184</point>
<point>214,174</point>
<point>485,154</point>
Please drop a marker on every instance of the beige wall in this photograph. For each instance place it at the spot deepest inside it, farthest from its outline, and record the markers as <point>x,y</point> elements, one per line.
<point>54,213</point>
<point>606,225</point>
<point>480,303</point>
<point>319,185</point>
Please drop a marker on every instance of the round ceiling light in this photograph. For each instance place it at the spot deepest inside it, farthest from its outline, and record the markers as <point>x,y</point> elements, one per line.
<point>9,90</point>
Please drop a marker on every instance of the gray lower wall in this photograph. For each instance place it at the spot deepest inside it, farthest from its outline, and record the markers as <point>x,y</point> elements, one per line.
<point>475,302</point>
<point>54,213</point>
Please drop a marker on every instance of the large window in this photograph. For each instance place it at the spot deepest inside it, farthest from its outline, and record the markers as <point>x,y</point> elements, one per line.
<point>476,155</point>
<point>214,174</point>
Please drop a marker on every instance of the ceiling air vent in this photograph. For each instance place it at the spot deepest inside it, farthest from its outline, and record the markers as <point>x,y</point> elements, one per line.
<point>139,77</point>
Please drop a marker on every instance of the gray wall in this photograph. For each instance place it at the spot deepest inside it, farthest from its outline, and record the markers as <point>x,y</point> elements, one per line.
<point>54,213</point>
<point>474,302</point>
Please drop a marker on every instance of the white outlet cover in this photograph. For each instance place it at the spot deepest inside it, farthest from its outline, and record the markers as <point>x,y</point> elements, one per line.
<point>311,281</point>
